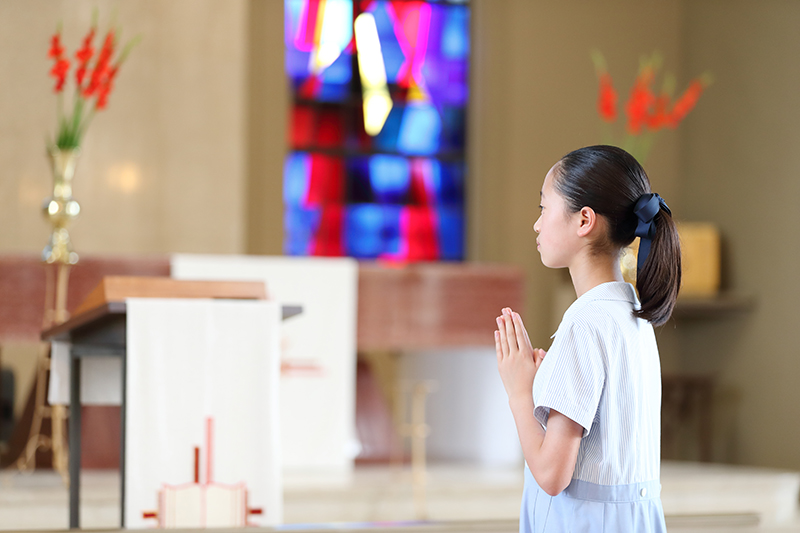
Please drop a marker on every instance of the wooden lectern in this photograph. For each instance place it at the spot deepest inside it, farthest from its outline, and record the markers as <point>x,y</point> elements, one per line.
<point>98,328</point>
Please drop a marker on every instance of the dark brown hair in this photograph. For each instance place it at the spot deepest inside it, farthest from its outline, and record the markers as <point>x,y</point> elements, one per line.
<point>610,181</point>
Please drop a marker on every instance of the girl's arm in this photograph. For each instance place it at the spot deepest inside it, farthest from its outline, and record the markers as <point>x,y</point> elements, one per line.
<point>550,454</point>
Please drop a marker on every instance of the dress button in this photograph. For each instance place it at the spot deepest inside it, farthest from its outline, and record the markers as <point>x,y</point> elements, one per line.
<point>643,492</point>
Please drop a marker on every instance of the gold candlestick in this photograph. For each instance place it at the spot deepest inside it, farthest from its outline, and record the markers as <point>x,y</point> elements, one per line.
<point>60,210</point>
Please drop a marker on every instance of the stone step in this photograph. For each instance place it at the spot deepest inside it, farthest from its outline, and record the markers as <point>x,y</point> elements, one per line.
<point>703,488</point>
<point>696,497</point>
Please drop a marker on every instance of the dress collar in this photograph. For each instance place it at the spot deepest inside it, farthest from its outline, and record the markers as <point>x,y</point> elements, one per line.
<point>610,291</point>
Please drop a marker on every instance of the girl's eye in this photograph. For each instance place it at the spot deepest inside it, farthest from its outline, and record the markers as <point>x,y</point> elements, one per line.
<point>541,207</point>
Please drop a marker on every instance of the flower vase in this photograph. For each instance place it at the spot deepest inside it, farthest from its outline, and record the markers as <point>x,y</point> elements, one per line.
<point>60,208</point>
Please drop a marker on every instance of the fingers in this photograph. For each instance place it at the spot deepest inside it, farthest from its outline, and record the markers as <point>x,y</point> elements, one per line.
<point>511,334</point>
<point>521,327</point>
<point>522,335</point>
<point>527,339</point>
<point>501,334</point>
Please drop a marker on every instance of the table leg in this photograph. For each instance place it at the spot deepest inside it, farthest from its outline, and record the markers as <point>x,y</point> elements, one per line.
<point>122,416</point>
<point>74,442</point>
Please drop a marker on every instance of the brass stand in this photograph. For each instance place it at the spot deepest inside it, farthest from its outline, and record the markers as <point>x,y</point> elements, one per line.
<point>60,210</point>
<point>418,431</point>
<point>385,366</point>
<point>55,313</point>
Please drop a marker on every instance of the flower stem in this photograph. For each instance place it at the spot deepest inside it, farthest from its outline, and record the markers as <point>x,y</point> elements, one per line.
<point>87,121</point>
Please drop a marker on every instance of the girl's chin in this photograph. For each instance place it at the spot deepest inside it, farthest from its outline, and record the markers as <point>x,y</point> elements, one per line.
<point>550,264</point>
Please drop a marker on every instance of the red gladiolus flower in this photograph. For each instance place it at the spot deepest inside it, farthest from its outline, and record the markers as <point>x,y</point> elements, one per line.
<point>647,112</point>
<point>59,72</point>
<point>96,69</point>
<point>61,66</point>
<point>84,55</point>
<point>658,118</point>
<point>607,100</point>
<point>101,66</point>
<point>80,73</point>
<point>56,50</point>
<point>685,103</point>
<point>640,101</point>
<point>105,88</point>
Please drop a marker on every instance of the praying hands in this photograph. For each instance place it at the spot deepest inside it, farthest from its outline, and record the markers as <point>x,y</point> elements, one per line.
<point>517,360</point>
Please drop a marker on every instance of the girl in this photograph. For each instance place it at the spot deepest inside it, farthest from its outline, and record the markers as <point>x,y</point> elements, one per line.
<point>588,414</point>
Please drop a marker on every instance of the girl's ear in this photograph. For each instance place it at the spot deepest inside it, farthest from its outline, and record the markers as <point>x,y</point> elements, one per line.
<point>587,221</point>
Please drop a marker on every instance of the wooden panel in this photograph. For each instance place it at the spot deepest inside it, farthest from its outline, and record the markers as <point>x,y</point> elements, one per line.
<point>700,254</point>
<point>433,305</point>
<point>119,288</point>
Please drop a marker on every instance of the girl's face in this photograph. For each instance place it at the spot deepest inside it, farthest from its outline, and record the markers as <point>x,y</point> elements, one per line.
<point>557,228</point>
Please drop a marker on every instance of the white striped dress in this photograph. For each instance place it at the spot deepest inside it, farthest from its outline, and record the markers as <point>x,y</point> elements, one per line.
<point>603,372</point>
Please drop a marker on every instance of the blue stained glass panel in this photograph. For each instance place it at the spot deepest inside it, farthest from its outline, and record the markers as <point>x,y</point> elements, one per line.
<point>390,233</point>
<point>390,176</point>
<point>300,225</point>
<point>451,186</point>
<point>340,71</point>
<point>363,230</point>
<point>420,130</point>
<point>455,34</point>
<point>453,128</point>
<point>296,172</point>
<point>359,186</point>
<point>387,137</point>
<point>451,233</point>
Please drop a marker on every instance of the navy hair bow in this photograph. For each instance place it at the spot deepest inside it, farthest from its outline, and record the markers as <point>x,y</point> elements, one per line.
<point>646,208</point>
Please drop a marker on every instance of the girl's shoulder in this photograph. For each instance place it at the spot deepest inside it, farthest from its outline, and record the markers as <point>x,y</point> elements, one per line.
<point>602,311</point>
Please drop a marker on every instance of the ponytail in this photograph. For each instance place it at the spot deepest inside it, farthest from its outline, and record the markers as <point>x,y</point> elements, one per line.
<point>610,181</point>
<point>659,278</point>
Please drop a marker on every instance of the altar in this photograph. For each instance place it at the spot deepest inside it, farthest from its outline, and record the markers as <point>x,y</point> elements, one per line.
<point>369,307</point>
<point>194,366</point>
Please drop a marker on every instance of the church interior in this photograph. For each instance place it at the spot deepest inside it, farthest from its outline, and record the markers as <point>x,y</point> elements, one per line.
<point>259,270</point>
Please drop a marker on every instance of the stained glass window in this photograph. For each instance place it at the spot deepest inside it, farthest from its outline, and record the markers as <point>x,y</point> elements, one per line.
<point>379,92</point>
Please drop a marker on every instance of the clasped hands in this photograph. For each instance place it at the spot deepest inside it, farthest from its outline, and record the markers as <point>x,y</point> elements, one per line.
<point>517,360</point>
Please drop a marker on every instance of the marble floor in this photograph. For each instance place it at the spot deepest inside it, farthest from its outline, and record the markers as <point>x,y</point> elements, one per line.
<point>696,497</point>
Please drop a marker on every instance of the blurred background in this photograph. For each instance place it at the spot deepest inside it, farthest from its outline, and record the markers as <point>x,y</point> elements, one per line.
<point>198,150</point>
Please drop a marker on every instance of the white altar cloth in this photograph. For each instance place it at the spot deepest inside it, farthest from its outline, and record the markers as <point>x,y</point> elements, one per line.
<point>318,350</point>
<point>191,362</point>
<point>202,447</point>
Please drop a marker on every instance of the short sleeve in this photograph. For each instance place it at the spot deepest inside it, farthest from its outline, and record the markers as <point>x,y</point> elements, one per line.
<point>571,377</point>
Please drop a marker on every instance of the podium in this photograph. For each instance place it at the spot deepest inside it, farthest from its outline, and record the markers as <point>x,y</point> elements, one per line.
<point>99,328</point>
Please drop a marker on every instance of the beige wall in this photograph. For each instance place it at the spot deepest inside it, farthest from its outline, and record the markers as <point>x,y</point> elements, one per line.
<point>163,168</point>
<point>742,167</point>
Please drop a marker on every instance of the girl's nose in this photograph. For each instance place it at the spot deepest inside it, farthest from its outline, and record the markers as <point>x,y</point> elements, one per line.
<point>536,225</point>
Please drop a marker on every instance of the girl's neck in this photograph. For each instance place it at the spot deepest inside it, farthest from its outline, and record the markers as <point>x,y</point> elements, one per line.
<point>588,272</point>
